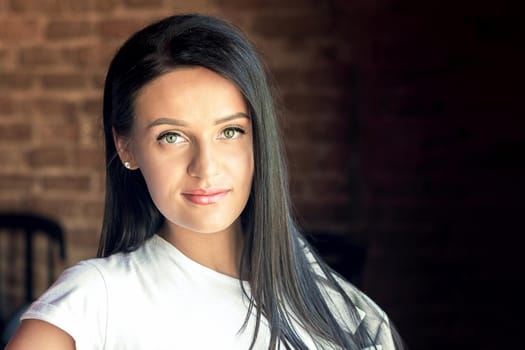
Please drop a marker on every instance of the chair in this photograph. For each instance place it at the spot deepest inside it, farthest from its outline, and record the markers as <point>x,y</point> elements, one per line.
<point>22,237</point>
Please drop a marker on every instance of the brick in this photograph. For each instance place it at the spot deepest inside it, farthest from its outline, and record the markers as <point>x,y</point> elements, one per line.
<point>89,56</point>
<point>7,106</point>
<point>143,3</point>
<point>98,79</point>
<point>324,78</point>
<point>90,131</point>
<point>45,157</point>
<point>53,7</point>
<point>93,209</point>
<point>84,237</point>
<point>104,5</point>
<point>15,182</point>
<point>69,29</point>
<point>81,252</point>
<point>120,28</point>
<point>312,104</point>
<point>53,107</point>
<point>257,5</point>
<point>40,56</point>
<point>323,129</point>
<point>92,107</point>
<point>292,25</point>
<point>15,30</point>
<point>91,158</point>
<point>15,132</point>
<point>80,183</point>
<point>64,81</point>
<point>3,56</point>
<point>55,133</point>
<point>56,207</point>
<point>16,81</point>
<point>12,158</point>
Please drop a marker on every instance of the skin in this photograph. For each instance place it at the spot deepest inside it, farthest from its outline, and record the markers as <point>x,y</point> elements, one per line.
<point>192,134</point>
<point>40,335</point>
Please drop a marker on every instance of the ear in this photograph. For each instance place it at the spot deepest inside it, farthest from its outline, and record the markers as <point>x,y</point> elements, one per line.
<point>123,146</point>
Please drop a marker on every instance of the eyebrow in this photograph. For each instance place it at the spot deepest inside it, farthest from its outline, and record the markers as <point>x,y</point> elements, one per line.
<point>178,122</point>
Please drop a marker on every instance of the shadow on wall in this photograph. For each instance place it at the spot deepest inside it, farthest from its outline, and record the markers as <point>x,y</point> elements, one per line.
<point>340,253</point>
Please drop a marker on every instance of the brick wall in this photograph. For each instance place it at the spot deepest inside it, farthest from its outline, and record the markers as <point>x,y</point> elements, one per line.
<point>54,55</point>
<point>400,125</point>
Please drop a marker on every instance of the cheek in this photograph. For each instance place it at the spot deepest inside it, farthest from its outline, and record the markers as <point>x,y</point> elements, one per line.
<point>245,166</point>
<point>155,172</point>
<point>154,181</point>
<point>251,166</point>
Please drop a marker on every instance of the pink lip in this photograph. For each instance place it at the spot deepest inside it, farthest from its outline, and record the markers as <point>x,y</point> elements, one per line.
<point>205,196</point>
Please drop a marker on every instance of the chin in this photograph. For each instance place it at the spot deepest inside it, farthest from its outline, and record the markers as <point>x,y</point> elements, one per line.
<point>205,229</point>
<point>204,222</point>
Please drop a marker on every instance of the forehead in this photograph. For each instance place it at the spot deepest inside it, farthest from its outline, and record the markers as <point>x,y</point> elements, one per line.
<point>189,93</point>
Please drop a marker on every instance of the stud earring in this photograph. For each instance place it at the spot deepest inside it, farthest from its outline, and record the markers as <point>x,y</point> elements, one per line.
<point>127,165</point>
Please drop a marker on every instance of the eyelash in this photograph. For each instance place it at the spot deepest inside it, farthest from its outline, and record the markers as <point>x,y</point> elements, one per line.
<point>162,137</point>
<point>236,129</point>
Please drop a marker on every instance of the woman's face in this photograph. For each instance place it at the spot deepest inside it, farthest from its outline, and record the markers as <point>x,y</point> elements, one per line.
<point>192,141</point>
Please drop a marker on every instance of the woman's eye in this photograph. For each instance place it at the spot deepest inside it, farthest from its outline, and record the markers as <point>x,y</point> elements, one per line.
<point>170,138</point>
<point>232,133</point>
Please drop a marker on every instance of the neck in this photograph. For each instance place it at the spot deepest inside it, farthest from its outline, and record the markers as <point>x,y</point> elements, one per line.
<point>220,251</point>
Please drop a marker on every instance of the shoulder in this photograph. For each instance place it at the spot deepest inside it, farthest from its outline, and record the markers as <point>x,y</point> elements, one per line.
<point>89,279</point>
<point>84,277</point>
<point>76,303</point>
<point>97,272</point>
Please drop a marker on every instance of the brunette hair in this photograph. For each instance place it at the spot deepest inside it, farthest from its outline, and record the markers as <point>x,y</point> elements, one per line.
<point>286,278</point>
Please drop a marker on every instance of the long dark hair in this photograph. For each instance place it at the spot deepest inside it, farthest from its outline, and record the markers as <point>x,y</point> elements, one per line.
<point>285,276</point>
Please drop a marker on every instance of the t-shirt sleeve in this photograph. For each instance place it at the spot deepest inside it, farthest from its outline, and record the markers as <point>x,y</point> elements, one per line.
<point>77,304</point>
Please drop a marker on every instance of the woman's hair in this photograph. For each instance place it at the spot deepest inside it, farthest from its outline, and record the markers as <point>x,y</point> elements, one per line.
<point>284,288</point>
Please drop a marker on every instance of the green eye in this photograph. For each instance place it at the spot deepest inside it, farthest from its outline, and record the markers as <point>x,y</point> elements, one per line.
<point>229,133</point>
<point>170,138</point>
<point>232,133</point>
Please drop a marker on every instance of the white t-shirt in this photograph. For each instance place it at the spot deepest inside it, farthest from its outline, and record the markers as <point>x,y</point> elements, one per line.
<point>153,298</point>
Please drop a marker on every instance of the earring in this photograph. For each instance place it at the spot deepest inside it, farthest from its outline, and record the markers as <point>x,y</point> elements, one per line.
<point>127,165</point>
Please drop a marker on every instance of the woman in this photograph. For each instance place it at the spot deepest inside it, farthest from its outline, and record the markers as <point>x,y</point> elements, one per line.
<point>198,247</point>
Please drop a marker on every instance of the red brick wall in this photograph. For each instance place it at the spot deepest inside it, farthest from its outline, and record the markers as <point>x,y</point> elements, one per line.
<point>401,123</point>
<point>53,57</point>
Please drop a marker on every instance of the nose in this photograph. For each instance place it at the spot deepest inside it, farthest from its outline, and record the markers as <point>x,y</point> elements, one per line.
<point>204,163</point>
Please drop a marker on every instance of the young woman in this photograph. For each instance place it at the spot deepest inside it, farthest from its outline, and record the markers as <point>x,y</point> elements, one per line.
<point>198,248</point>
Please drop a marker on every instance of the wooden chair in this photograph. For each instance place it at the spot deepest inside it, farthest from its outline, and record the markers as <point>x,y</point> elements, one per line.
<point>23,238</point>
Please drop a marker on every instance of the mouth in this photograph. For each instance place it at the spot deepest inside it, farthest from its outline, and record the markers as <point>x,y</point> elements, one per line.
<point>206,196</point>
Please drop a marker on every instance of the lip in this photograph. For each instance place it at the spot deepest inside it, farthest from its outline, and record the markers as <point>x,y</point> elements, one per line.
<point>208,196</point>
